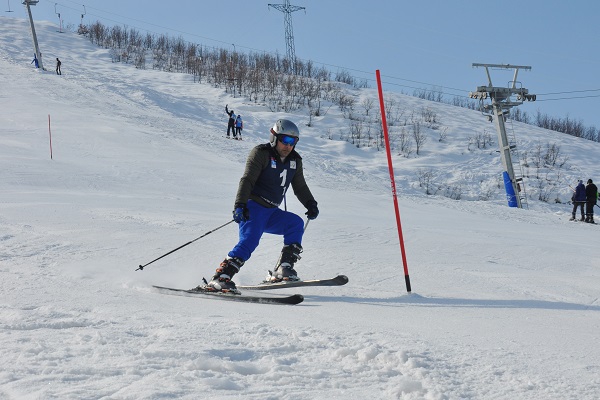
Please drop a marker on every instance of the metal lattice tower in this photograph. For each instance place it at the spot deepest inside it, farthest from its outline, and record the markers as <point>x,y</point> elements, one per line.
<point>288,9</point>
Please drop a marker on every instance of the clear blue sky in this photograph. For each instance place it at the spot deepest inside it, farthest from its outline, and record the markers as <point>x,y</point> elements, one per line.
<point>415,44</point>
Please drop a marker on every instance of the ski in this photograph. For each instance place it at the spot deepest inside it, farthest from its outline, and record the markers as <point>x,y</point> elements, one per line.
<point>337,281</point>
<point>291,300</point>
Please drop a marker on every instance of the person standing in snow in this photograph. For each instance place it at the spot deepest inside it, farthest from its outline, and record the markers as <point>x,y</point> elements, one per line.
<point>270,169</point>
<point>591,193</point>
<point>231,122</point>
<point>35,60</point>
<point>58,64</point>
<point>239,125</point>
<point>578,199</point>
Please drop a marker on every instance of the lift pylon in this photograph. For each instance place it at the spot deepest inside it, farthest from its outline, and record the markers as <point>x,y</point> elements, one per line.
<point>503,99</point>
<point>38,53</point>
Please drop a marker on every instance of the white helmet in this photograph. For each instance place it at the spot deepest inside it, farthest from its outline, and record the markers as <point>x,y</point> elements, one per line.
<point>283,127</point>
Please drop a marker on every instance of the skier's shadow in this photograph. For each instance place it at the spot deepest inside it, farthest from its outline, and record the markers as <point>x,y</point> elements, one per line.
<point>416,300</point>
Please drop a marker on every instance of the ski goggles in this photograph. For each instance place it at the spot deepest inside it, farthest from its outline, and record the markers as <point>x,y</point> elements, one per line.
<point>289,140</point>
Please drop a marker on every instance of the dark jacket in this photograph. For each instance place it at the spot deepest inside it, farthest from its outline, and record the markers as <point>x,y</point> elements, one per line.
<point>231,121</point>
<point>266,178</point>
<point>579,196</point>
<point>591,192</point>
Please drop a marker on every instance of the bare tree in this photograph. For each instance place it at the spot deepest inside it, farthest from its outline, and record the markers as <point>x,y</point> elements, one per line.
<point>480,140</point>
<point>418,136</point>
<point>426,178</point>
<point>405,142</point>
<point>391,111</point>
<point>356,130</point>
<point>429,116</point>
<point>443,134</point>
<point>367,105</point>
<point>552,154</point>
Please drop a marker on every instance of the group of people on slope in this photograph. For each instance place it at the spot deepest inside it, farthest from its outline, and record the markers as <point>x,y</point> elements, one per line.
<point>234,125</point>
<point>36,62</point>
<point>585,196</point>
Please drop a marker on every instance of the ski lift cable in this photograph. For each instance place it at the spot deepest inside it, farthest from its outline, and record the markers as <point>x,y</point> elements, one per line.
<point>430,85</point>
<point>572,91</point>
<point>571,98</point>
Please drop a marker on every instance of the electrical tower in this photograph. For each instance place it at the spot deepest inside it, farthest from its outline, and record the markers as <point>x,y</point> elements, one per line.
<point>502,102</point>
<point>288,9</point>
<point>36,47</point>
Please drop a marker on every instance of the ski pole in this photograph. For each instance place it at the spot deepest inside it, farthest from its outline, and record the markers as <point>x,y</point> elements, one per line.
<point>306,224</point>
<point>141,267</point>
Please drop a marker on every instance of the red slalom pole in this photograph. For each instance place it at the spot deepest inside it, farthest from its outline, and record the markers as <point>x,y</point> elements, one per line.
<point>50,135</point>
<point>392,180</point>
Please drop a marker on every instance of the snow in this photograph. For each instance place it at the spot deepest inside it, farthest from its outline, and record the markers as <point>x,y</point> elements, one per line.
<point>504,302</point>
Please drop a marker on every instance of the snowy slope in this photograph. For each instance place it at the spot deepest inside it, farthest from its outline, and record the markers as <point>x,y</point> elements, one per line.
<point>504,302</point>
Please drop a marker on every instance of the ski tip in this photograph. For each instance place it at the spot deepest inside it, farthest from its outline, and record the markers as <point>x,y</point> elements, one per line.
<point>343,279</point>
<point>295,299</point>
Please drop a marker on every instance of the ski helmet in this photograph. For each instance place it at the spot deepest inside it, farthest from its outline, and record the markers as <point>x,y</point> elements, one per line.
<point>283,127</point>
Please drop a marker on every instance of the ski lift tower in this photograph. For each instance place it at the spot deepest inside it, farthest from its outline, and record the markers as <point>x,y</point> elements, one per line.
<point>36,47</point>
<point>502,102</point>
<point>288,9</point>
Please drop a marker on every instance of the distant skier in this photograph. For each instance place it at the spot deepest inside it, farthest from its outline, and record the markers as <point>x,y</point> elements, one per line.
<point>591,193</point>
<point>231,122</point>
<point>35,60</point>
<point>239,125</point>
<point>58,64</point>
<point>578,199</point>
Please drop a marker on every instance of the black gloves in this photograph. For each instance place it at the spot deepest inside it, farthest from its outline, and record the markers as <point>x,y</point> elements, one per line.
<point>241,213</point>
<point>313,210</point>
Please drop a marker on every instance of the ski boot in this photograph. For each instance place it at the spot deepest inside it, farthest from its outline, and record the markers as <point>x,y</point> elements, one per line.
<point>572,218</point>
<point>221,281</point>
<point>285,269</point>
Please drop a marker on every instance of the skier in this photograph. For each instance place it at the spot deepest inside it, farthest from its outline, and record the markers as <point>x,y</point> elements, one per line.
<point>239,125</point>
<point>231,122</point>
<point>591,193</point>
<point>58,64</point>
<point>35,61</point>
<point>270,169</point>
<point>578,199</point>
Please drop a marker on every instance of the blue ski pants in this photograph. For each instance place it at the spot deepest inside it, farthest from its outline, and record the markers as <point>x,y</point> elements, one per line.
<point>266,220</point>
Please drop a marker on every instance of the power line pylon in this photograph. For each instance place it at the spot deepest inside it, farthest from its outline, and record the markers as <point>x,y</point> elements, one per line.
<point>502,102</point>
<point>287,10</point>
